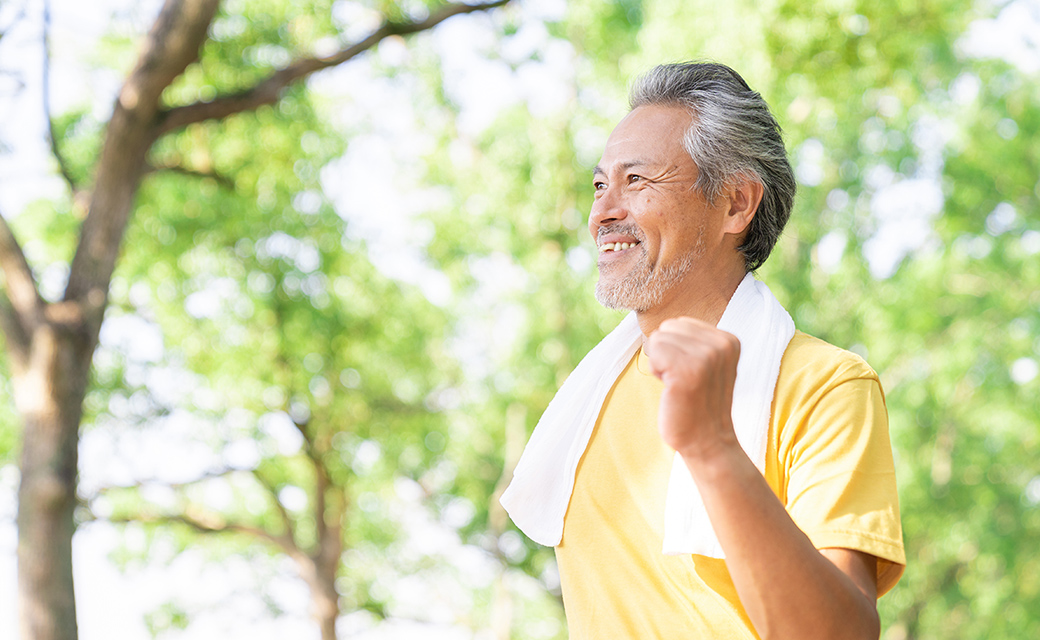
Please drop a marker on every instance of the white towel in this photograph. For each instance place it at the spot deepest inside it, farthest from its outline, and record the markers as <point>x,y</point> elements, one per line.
<point>540,491</point>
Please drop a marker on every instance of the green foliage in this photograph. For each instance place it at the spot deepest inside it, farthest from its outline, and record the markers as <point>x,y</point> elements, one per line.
<point>79,140</point>
<point>167,617</point>
<point>264,293</point>
<point>259,289</point>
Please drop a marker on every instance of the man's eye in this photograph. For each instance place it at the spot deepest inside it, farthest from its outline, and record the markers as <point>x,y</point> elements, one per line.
<point>634,178</point>
<point>599,186</point>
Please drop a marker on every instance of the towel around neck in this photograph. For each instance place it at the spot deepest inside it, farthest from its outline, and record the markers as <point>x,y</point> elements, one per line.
<point>538,496</point>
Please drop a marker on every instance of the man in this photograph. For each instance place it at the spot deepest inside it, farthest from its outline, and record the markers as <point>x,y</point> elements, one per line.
<point>707,471</point>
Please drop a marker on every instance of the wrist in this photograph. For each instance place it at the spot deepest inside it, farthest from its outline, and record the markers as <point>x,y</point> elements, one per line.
<point>711,460</point>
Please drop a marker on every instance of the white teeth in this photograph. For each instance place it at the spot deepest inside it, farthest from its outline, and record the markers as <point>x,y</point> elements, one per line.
<point>615,246</point>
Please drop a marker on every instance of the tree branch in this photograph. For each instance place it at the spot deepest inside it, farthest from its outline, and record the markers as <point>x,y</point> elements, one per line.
<point>321,477</point>
<point>269,90</point>
<point>205,522</point>
<point>63,165</point>
<point>286,518</point>
<point>173,44</point>
<point>26,303</point>
<point>220,179</point>
<point>17,339</point>
<point>15,19</point>
<point>212,525</point>
<point>283,513</point>
<point>321,487</point>
<point>208,475</point>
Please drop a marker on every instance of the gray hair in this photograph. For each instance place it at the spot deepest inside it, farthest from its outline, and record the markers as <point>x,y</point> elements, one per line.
<point>733,135</point>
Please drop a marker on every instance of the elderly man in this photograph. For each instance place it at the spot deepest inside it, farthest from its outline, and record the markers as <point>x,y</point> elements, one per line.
<point>708,471</point>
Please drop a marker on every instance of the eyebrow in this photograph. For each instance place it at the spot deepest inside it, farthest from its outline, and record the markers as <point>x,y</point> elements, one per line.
<point>624,165</point>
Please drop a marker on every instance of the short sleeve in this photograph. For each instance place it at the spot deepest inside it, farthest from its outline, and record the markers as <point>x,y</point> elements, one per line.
<point>835,471</point>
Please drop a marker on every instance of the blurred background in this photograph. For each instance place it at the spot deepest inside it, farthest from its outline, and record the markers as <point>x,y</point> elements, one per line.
<point>336,315</point>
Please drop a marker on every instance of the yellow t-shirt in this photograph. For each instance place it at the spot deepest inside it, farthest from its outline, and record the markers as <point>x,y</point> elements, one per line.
<point>828,459</point>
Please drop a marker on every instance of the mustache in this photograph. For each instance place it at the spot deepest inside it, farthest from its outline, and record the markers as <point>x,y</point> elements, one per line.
<point>621,229</point>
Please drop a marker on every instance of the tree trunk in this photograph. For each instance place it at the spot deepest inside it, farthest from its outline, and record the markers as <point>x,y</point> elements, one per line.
<point>326,606</point>
<point>49,395</point>
<point>52,364</point>
<point>52,344</point>
<point>320,577</point>
<point>50,386</point>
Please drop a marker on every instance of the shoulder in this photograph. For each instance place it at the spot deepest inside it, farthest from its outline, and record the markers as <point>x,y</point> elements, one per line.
<point>813,371</point>
<point>828,408</point>
<point>809,361</point>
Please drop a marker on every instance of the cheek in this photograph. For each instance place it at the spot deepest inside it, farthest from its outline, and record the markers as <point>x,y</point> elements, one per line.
<point>650,204</point>
<point>652,211</point>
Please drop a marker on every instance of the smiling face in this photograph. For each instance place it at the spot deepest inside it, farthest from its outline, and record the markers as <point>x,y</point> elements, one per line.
<point>656,233</point>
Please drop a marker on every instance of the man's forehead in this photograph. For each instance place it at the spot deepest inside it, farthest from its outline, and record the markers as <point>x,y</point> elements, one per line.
<point>647,135</point>
<point>605,165</point>
<point>658,118</point>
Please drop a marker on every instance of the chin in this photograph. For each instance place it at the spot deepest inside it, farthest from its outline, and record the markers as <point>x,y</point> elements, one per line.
<point>627,295</point>
<point>642,289</point>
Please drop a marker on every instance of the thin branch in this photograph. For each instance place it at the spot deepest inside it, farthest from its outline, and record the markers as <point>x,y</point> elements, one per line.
<point>14,20</point>
<point>269,90</point>
<point>321,486</point>
<point>63,165</point>
<point>287,541</point>
<point>219,178</point>
<point>310,448</point>
<point>321,477</point>
<point>212,525</point>
<point>20,283</point>
<point>283,513</point>
<point>208,475</point>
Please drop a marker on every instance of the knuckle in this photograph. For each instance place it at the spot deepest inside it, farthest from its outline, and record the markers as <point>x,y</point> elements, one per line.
<point>670,324</point>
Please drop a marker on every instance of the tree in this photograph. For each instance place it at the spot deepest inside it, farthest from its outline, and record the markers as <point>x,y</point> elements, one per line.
<point>51,343</point>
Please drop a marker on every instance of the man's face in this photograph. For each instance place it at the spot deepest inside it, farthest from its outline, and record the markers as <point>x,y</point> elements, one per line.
<point>645,199</point>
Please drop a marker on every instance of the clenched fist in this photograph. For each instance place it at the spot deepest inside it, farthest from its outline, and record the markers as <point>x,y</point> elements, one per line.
<point>698,364</point>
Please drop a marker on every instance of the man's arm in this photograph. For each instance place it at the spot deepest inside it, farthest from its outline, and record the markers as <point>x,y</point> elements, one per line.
<point>789,588</point>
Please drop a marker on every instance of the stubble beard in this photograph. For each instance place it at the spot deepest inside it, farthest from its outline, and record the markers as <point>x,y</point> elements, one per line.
<point>642,288</point>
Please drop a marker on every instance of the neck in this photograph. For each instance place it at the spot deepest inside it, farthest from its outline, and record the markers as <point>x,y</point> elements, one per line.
<point>694,298</point>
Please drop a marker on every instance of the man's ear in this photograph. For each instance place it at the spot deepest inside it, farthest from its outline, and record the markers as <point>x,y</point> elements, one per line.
<point>744,195</point>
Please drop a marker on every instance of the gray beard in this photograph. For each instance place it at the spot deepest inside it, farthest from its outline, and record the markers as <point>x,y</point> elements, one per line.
<point>642,288</point>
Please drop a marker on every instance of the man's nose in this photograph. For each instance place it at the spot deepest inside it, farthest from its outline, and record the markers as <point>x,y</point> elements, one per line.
<point>607,208</point>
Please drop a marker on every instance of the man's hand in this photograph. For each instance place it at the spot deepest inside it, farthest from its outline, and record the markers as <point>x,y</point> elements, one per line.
<point>698,364</point>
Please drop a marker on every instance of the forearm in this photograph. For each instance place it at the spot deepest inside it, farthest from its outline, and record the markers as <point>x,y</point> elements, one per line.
<point>789,589</point>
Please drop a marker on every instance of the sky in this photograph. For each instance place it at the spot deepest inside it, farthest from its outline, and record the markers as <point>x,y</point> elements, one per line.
<point>111,603</point>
